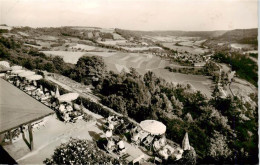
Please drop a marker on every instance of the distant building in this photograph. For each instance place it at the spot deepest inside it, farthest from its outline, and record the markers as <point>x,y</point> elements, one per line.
<point>144,44</point>
<point>90,35</point>
<point>199,64</point>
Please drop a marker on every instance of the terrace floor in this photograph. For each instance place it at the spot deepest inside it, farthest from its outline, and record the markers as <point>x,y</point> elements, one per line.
<point>54,132</point>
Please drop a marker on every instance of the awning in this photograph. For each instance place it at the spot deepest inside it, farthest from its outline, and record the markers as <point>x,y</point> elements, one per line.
<point>17,71</point>
<point>16,67</point>
<point>33,77</point>
<point>68,97</point>
<point>26,73</point>
<point>5,63</point>
<point>154,127</point>
<point>4,66</point>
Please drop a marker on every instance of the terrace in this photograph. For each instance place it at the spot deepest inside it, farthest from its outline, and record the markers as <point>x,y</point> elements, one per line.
<point>48,122</point>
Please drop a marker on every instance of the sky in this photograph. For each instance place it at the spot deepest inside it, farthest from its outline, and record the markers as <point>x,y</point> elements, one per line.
<point>187,15</point>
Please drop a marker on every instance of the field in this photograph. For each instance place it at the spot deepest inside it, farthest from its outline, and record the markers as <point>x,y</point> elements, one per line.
<point>189,49</point>
<point>251,51</point>
<point>147,62</point>
<point>170,38</point>
<point>198,82</point>
<point>242,87</point>
<point>113,42</point>
<point>117,36</point>
<point>47,38</point>
<point>24,34</point>
<point>84,47</point>
<point>143,63</point>
<point>192,43</point>
<point>141,48</point>
<point>241,46</point>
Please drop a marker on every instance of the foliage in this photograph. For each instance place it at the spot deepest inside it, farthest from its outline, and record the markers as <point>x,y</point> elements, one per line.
<point>254,55</point>
<point>58,63</point>
<point>218,147</point>
<point>78,151</point>
<point>245,67</point>
<point>87,67</point>
<point>182,110</point>
<point>94,107</point>
<point>188,157</point>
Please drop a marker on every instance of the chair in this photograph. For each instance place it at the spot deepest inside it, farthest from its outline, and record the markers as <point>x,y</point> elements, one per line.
<point>143,135</point>
<point>148,140</point>
<point>138,159</point>
<point>156,159</point>
<point>135,138</point>
<point>66,117</point>
<point>122,152</point>
<point>156,146</point>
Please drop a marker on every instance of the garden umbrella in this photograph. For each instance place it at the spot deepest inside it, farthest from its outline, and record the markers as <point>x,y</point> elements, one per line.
<point>26,73</point>
<point>33,77</point>
<point>16,67</point>
<point>154,127</point>
<point>185,142</point>
<point>5,63</point>
<point>17,71</point>
<point>68,97</point>
<point>4,68</point>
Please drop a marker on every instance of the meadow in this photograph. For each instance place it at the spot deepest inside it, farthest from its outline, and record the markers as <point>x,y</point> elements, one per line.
<point>141,48</point>
<point>189,49</point>
<point>83,46</point>
<point>113,42</point>
<point>241,46</point>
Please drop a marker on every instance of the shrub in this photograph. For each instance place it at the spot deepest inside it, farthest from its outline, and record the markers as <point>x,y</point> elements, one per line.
<point>78,151</point>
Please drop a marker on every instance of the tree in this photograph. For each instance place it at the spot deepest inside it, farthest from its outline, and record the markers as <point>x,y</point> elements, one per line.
<point>134,73</point>
<point>188,118</point>
<point>48,67</point>
<point>89,67</point>
<point>59,63</point>
<point>117,103</point>
<point>167,105</point>
<point>188,157</point>
<point>218,147</point>
<point>28,64</point>
<point>177,106</point>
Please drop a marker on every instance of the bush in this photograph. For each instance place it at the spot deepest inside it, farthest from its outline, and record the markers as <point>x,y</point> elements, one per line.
<point>78,151</point>
<point>93,107</point>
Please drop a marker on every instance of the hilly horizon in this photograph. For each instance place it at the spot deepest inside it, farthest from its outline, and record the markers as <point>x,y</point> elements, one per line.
<point>138,31</point>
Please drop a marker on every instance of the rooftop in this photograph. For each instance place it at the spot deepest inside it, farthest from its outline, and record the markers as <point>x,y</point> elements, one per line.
<point>18,108</point>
